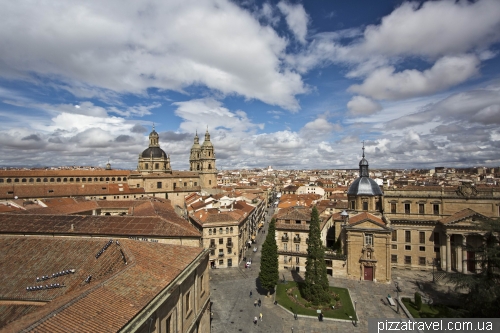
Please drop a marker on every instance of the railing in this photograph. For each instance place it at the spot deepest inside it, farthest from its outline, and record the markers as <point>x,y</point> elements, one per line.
<point>296,239</point>
<point>284,238</point>
<point>221,254</point>
<point>335,255</point>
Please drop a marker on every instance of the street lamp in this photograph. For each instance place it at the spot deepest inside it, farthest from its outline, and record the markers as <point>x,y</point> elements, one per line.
<point>356,315</point>
<point>434,264</point>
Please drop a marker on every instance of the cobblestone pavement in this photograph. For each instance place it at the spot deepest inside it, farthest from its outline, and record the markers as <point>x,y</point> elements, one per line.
<point>234,309</point>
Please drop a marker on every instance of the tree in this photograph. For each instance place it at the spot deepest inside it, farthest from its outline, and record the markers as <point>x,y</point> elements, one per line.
<point>316,288</point>
<point>269,274</point>
<point>418,301</point>
<point>482,297</point>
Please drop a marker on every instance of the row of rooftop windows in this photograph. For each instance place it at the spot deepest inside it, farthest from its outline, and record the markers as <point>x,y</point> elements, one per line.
<point>61,180</point>
<point>214,231</point>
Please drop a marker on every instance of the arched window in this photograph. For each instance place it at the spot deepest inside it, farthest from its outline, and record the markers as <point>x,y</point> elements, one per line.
<point>215,231</point>
<point>72,179</point>
<point>113,179</point>
<point>124,178</point>
<point>9,180</point>
<point>45,180</point>
<point>52,180</point>
<point>31,180</point>
<point>89,179</point>
<point>209,166</point>
<point>78,180</point>
<point>84,179</point>
<point>227,230</point>
<point>58,180</point>
<point>220,231</point>
<point>101,179</point>
<point>23,180</point>
<point>95,179</point>
<point>119,179</point>
<point>1,180</point>
<point>107,179</point>
<point>146,166</point>
<point>16,180</point>
<point>231,230</point>
<point>209,231</point>
<point>65,180</point>
<point>38,180</point>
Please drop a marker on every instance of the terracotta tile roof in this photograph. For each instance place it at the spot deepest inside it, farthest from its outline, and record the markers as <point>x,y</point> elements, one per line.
<point>65,190</point>
<point>363,217</point>
<point>460,215</point>
<point>117,291</point>
<point>63,173</point>
<point>112,226</point>
<point>295,213</point>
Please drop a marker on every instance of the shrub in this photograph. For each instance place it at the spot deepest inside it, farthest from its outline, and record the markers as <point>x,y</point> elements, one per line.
<point>418,301</point>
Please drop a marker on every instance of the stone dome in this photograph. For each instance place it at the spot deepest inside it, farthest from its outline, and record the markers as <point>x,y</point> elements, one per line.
<point>155,152</point>
<point>364,186</point>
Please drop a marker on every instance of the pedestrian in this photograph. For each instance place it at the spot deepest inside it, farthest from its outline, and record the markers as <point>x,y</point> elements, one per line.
<point>255,303</point>
<point>260,315</point>
<point>255,320</point>
<point>250,293</point>
<point>259,302</point>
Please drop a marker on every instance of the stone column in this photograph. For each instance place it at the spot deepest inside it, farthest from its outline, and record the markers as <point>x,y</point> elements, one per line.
<point>460,259</point>
<point>448,253</point>
<point>442,252</point>
<point>464,253</point>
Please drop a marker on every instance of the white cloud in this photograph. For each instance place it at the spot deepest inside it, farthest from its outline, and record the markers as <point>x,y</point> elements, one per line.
<point>296,19</point>
<point>434,29</point>
<point>126,47</point>
<point>448,71</point>
<point>360,105</point>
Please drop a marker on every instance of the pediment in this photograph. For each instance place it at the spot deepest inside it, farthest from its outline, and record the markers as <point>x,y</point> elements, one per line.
<point>367,224</point>
<point>464,218</point>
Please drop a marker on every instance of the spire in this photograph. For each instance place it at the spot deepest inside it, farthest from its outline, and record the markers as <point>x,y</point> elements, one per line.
<point>196,139</point>
<point>363,164</point>
<point>207,135</point>
<point>154,138</point>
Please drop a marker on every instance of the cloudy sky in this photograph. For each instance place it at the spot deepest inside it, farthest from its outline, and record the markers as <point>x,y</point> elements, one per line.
<point>292,84</point>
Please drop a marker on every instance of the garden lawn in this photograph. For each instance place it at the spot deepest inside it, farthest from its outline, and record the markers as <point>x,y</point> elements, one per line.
<point>343,312</point>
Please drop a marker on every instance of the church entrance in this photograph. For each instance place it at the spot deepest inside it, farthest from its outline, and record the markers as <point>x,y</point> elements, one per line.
<point>368,273</point>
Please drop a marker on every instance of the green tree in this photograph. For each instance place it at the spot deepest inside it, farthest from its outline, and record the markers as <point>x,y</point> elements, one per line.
<point>418,301</point>
<point>482,289</point>
<point>316,288</point>
<point>269,274</point>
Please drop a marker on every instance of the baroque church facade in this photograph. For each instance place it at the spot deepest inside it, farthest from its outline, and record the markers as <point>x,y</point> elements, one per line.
<point>156,176</point>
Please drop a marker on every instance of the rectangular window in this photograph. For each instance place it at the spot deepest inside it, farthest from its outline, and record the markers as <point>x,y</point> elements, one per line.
<point>221,252</point>
<point>157,166</point>
<point>158,185</point>
<point>421,208</point>
<point>353,204</point>
<point>188,302</point>
<point>421,237</point>
<point>168,324</point>
<point>407,260</point>
<point>435,209</point>
<point>394,246</point>
<point>369,239</point>
<point>221,262</point>
<point>407,236</point>
<point>297,260</point>
<point>195,183</point>
<point>407,208</point>
<point>209,182</point>
<point>421,261</point>
<point>175,186</point>
<point>212,252</point>
<point>394,258</point>
<point>229,262</point>
<point>421,248</point>
<point>394,235</point>
<point>365,205</point>
<point>393,207</point>
<point>285,246</point>
<point>185,184</point>
<point>408,247</point>
<point>297,247</point>
<point>221,240</point>
<point>298,222</point>
<point>285,259</point>
<point>202,287</point>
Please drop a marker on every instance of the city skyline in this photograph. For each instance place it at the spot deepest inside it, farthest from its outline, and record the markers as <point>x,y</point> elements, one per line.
<point>292,84</point>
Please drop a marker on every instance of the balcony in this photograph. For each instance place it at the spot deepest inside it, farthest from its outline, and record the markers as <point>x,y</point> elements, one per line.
<point>221,254</point>
<point>212,246</point>
<point>296,239</point>
<point>284,238</point>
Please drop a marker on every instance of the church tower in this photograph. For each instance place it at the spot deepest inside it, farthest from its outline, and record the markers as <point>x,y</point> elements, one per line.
<point>208,172</point>
<point>194,158</point>
<point>154,159</point>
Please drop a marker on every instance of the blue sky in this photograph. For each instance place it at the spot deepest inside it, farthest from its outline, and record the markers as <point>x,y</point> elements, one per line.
<point>295,85</point>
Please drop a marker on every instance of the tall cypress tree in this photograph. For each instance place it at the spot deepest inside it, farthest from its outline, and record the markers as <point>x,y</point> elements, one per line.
<point>316,288</point>
<point>269,274</point>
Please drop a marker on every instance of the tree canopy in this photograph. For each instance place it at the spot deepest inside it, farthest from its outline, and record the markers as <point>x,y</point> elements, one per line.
<point>316,288</point>
<point>269,274</point>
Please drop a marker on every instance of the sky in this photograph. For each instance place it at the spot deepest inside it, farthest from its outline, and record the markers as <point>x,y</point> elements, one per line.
<point>290,84</point>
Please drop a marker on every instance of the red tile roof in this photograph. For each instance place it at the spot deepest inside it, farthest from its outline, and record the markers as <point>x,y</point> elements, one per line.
<point>364,217</point>
<point>117,292</point>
